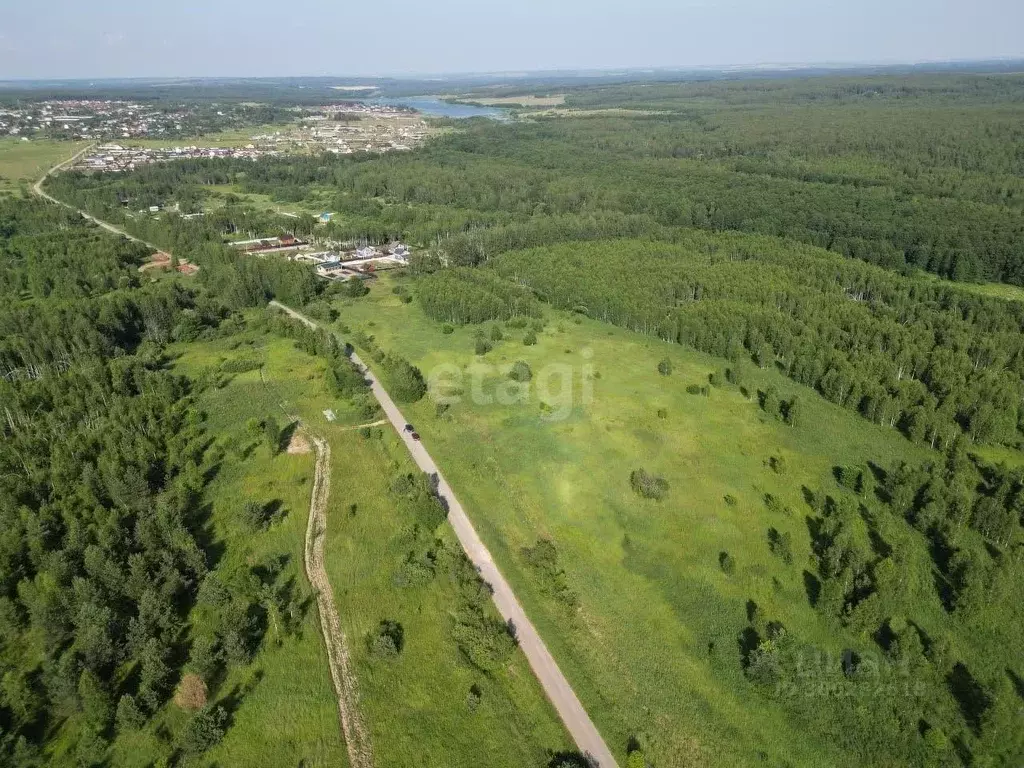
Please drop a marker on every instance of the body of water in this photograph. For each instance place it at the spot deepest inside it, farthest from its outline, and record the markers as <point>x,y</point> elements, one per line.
<point>435,107</point>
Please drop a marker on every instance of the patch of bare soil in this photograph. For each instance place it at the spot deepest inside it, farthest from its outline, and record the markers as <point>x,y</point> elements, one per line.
<point>299,445</point>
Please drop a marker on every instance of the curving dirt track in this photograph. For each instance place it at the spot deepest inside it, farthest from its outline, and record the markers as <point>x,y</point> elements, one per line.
<point>357,740</point>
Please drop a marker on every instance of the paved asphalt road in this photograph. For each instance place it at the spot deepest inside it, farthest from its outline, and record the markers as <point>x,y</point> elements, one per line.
<point>557,688</point>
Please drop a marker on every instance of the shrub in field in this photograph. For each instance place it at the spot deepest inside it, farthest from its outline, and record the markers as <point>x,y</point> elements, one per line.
<point>543,558</point>
<point>272,434</point>
<point>520,372</point>
<point>791,411</point>
<point>648,486</point>
<point>781,545</point>
<point>665,367</point>
<point>726,563</point>
<point>530,338</point>
<point>240,365</point>
<point>190,694</point>
<point>321,310</point>
<point>203,731</point>
<point>770,402</point>
<point>258,516</point>
<point>354,287</point>
<point>388,640</point>
<point>482,346</point>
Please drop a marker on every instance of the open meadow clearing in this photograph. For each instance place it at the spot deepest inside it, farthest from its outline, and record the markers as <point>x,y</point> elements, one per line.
<point>26,161</point>
<point>638,608</point>
<point>523,100</point>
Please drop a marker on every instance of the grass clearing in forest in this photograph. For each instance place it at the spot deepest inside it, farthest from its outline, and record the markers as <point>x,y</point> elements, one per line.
<point>525,100</point>
<point>650,642</point>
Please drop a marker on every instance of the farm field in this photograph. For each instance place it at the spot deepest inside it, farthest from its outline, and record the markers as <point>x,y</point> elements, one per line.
<point>416,705</point>
<point>28,160</point>
<point>650,640</point>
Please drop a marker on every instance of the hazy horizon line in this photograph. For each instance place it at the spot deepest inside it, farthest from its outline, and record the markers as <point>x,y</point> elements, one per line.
<point>766,66</point>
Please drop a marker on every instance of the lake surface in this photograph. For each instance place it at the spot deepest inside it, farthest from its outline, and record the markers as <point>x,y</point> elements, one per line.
<point>434,107</point>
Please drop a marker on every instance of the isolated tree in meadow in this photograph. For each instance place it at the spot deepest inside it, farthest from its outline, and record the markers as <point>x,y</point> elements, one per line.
<point>665,367</point>
<point>204,730</point>
<point>405,381</point>
<point>770,401</point>
<point>530,339</point>
<point>389,639</point>
<point>272,435</point>
<point>726,563</point>
<point>793,411</point>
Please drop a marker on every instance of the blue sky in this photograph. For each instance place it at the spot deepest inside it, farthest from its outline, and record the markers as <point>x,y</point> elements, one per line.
<point>114,38</point>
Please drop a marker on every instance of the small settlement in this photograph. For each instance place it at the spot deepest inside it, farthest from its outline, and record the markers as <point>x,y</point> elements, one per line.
<point>342,129</point>
<point>339,264</point>
<point>116,158</point>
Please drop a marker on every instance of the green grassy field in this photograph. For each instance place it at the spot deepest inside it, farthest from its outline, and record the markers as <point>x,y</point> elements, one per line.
<point>218,194</point>
<point>28,160</point>
<point>652,646</point>
<point>991,290</point>
<point>415,705</point>
<point>238,137</point>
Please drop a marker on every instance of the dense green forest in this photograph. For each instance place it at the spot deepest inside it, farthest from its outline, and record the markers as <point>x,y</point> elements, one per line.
<point>104,548</point>
<point>99,476</point>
